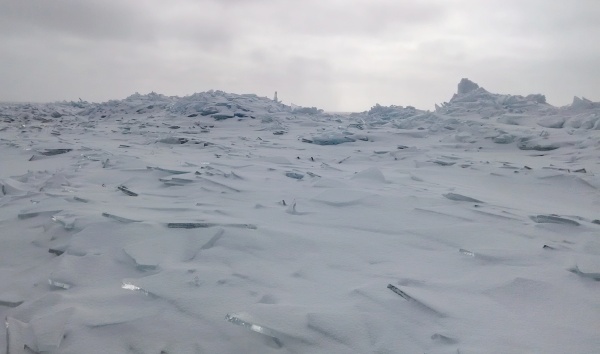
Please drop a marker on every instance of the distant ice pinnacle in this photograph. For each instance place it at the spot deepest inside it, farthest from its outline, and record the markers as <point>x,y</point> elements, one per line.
<point>275,98</point>
<point>465,86</point>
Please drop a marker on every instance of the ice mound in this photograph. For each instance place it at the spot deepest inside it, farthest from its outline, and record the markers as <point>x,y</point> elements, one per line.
<point>224,223</point>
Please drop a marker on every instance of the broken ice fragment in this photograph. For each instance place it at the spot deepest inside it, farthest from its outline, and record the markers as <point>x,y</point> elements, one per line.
<point>595,276</point>
<point>294,175</point>
<point>78,199</point>
<point>213,240</point>
<point>174,172</point>
<point>466,252</point>
<point>189,225</point>
<point>196,225</point>
<point>129,286</point>
<point>10,299</point>
<point>17,336</point>
<point>52,152</point>
<point>416,303</point>
<point>119,218</point>
<point>144,257</point>
<point>443,339</point>
<point>59,284</point>
<point>255,327</point>
<point>32,214</point>
<point>444,163</point>
<point>399,292</point>
<point>127,191</point>
<point>56,251</point>
<point>541,219</point>
<point>49,330</point>
<point>10,303</point>
<point>461,198</point>
<point>65,221</point>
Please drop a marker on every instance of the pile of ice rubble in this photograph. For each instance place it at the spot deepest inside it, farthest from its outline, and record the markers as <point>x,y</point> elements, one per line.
<point>179,233</point>
<point>472,108</point>
<point>466,114</point>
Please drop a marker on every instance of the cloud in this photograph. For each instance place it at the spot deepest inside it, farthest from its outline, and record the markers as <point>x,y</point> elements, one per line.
<point>90,19</point>
<point>336,54</point>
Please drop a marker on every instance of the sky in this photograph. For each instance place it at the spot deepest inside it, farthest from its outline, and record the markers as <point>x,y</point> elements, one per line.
<point>338,55</point>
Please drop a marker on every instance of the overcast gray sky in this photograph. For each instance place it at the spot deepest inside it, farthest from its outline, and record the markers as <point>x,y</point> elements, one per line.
<point>343,55</point>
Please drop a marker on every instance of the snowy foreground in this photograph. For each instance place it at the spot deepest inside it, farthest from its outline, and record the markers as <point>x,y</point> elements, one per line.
<point>221,223</point>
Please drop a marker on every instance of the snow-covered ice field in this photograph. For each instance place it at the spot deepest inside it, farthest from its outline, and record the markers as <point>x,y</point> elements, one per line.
<point>222,223</point>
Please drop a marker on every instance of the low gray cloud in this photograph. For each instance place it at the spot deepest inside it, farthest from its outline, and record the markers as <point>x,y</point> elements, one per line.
<point>90,19</point>
<point>336,54</point>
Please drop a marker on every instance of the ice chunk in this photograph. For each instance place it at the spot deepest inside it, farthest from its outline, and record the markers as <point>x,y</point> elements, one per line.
<point>173,140</point>
<point>235,319</point>
<point>49,330</point>
<point>594,276</point>
<point>466,252</point>
<point>145,256</point>
<point>59,284</point>
<point>56,251</point>
<point>294,175</point>
<point>461,198</point>
<point>540,219</point>
<point>119,218</point>
<point>168,170</point>
<point>127,285</point>
<point>504,139</point>
<point>127,191</point>
<point>10,299</point>
<point>34,213</point>
<point>42,334</point>
<point>465,86</point>
<point>18,335</point>
<point>552,122</point>
<point>330,139</point>
<point>189,225</point>
<point>67,221</point>
<point>52,152</point>
<point>211,243</point>
<point>370,174</point>
<point>416,302</point>
<point>537,145</point>
<point>342,197</point>
<point>197,225</point>
<point>399,292</point>
<point>443,339</point>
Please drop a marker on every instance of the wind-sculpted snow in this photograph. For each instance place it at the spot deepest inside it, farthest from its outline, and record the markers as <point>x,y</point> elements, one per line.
<point>223,223</point>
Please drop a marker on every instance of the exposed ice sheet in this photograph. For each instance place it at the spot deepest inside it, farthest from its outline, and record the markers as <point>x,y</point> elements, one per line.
<point>139,225</point>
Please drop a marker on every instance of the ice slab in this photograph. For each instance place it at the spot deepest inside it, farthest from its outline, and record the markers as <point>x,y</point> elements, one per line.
<point>294,175</point>
<point>119,218</point>
<point>552,219</point>
<point>52,152</point>
<point>342,197</point>
<point>42,334</point>
<point>417,303</point>
<point>59,284</point>
<point>594,276</point>
<point>272,334</point>
<point>127,191</point>
<point>10,299</point>
<point>198,225</point>
<point>371,174</point>
<point>461,198</point>
<point>26,214</point>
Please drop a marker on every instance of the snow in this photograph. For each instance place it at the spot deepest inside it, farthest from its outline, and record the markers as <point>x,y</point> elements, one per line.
<point>224,223</point>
